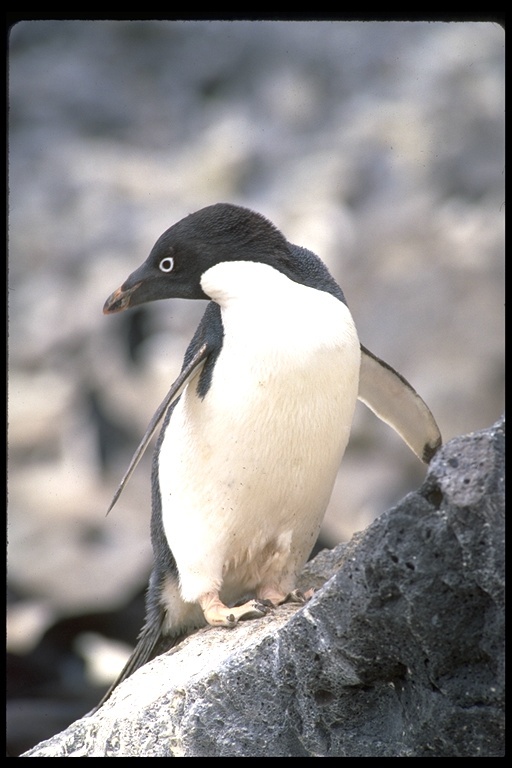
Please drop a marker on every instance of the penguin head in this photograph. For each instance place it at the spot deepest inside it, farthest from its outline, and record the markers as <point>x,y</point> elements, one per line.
<point>218,233</point>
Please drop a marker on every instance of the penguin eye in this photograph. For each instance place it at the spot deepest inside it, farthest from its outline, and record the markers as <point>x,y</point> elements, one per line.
<point>167,264</point>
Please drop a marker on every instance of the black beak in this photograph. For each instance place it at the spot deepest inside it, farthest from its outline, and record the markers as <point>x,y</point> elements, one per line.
<point>120,299</point>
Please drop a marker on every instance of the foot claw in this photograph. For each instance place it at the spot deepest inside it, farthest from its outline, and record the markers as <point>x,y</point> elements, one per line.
<point>255,610</point>
<point>267,603</point>
<point>219,615</point>
<point>297,596</point>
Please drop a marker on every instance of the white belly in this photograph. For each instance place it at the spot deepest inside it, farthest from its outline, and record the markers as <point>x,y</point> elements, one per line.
<point>247,472</point>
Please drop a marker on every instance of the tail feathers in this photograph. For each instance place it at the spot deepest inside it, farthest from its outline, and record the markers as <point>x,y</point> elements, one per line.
<point>151,643</point>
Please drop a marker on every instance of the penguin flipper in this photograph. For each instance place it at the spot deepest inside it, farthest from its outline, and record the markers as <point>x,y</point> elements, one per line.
<point>396,402</point>
<point>192,368</point>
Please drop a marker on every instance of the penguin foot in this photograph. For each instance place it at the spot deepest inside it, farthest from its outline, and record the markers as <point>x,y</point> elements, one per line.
<point>273,597</point>
<point>219,615</point>
<point>267,602</point>
<point>297,596</point>
<point>254,609</point>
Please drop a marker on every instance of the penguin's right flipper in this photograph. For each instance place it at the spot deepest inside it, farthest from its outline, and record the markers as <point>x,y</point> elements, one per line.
<point>192,368</point>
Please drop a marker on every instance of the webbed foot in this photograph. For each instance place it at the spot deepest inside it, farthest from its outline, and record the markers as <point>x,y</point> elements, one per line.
<point>297,596</point>
<point>274,597</point>
<point>219,615</point>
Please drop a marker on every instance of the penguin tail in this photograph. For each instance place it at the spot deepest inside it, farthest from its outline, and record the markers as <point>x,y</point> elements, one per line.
<point>150,643</point>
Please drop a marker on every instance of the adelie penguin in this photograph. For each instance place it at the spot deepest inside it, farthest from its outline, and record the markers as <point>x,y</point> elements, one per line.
<point>256,424</point>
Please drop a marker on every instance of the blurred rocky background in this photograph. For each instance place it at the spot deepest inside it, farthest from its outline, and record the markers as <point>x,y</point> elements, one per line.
<point>380,146</point>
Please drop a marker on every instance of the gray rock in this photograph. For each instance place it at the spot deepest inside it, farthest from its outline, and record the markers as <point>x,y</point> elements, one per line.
<point>399,654</point>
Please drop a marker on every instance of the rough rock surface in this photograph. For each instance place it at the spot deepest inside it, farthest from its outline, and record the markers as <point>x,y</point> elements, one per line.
<point>399,654</point>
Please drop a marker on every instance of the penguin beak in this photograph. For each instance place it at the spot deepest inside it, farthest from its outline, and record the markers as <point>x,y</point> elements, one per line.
<point>120,299</point>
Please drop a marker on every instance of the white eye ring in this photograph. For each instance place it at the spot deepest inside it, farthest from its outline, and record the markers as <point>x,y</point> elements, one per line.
<point>167,264</point>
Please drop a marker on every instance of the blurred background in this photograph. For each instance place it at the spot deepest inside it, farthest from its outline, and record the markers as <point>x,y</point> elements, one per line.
<point>378,145</point>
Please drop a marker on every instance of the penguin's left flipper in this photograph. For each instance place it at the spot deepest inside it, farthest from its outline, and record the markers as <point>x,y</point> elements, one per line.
<point>395,402</point>
<point>192,368</point>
